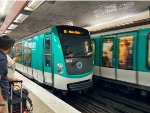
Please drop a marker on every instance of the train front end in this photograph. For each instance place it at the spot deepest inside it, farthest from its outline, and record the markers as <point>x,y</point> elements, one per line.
<point>73,58</point>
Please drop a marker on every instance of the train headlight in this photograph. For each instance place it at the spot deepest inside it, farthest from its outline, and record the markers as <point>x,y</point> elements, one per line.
<point>60,71</point>
<point>60,65</point>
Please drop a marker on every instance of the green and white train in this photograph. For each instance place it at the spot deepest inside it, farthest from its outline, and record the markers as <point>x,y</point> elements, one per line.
<point>43,58</point>
<point>123,56</point>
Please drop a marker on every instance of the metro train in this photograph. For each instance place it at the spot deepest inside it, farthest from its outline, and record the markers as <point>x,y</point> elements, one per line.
<point>123,57</point>
<point>46,59</point>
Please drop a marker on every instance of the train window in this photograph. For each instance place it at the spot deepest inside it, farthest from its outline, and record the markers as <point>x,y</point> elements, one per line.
<point>29,50</point>
<point>47,52</point>
<point>93,44</point>
<point>126,52</point>
<point>19,52</point>
<point>149,51</point>
<point>25,54</point>
<point>107,52</point>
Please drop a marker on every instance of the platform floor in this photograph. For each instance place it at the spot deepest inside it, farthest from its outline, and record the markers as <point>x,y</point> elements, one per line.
<point>44,101</point>
<point>38,105</point>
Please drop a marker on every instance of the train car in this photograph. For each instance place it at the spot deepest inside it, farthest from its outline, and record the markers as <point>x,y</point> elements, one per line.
<point>123,58</point>
<point>61,58</point>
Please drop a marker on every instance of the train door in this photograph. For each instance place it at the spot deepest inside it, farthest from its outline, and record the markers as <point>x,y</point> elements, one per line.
<point>126,57</point>
<point>93,44</point>
<point>107,68</point>
<point>96,52</point>
<point>35,60</point>
<point>47,60</point>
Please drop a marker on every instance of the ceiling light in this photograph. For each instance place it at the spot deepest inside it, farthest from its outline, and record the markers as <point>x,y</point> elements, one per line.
<point>12,26</point>
<point>7,31</point>
<point>20,18</point>
<point>32,5</point>
<point>3,7</point>
<point>69,23</point>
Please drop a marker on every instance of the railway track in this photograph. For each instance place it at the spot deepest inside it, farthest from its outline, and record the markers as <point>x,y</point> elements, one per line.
<point>131,103</point>
<point>103,102</point>
<point>86,105</point>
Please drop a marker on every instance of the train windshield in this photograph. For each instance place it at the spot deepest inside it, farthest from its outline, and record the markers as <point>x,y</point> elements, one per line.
<point>75,46</point>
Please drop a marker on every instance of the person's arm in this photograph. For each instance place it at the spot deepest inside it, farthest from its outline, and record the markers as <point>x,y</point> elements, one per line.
<point>11,78</point>
<point>11,62</point>
<point>14,60</point>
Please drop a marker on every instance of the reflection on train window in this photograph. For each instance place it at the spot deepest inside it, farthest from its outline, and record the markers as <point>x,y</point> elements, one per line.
<point>12,54</point>
<point>93,44</point>
<point>149,51</point>
<point>25,56</point>
<point>47,52</point>
<point>107,52</point>
<point>29,49</point>
<point>126,52</point>
<point>19,53</point>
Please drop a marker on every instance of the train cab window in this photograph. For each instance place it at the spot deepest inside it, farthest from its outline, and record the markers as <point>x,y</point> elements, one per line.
<point>19,52</point>
<point>47,52</point>
<point>107,55</point>
<point>80,46</point>
<point>149,51</point>
<point>93,44</point>
<point>126,52</point>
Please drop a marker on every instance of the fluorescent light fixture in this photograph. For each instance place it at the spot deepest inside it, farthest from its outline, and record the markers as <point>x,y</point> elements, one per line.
<point>69,22</point>
<point>12,26</point>
<point>3,7</point>
<point>20,18</point>
<point>32,5</point>
<point>7,31</point>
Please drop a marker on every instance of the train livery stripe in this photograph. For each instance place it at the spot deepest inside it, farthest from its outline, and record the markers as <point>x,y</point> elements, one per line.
<point>144,77</point>
<point>108,72</point>
<point>97,70</point>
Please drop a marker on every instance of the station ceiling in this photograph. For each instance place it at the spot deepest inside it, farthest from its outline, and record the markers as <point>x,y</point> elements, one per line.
<point>78,13</point>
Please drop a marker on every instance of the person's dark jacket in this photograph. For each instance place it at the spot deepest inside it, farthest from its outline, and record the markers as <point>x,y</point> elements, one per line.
<point>3,76</point>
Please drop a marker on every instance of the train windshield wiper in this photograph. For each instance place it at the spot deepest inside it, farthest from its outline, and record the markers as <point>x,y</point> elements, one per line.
<point>78,51</point>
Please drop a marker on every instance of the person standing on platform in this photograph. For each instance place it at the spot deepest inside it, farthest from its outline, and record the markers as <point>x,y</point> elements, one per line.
<point>6,45</point>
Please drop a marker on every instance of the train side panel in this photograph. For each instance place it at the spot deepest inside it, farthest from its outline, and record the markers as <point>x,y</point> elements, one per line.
<point>144,57</point>
<point>97,56</point>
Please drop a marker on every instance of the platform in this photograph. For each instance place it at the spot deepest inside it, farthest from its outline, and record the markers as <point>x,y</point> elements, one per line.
<point>39,106</point>
<point>44,101</point>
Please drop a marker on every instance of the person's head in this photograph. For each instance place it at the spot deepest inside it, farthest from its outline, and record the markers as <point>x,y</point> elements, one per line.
<point>86,42</point>
<point>68,49</point>
<point>6,44</point>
